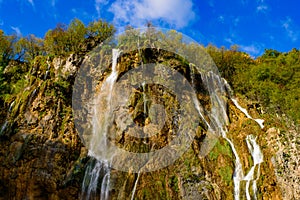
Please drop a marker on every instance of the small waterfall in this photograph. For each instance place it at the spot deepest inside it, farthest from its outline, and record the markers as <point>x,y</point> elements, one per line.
<point>3,127</point>
<point>90,181</point>
<point>238,171</point>
<point>47,71</point>
<point>217,124</point>
<point>259,121</point>
<point>255,152</point>
<point>98,146</point>
<point>5,124</point>
<point>200,111</point>
<point>253,147</point>
<point>257,157</point>
<point>97,169</point>
<point>105,180</point>
<point>219,120</point>
<point>11,106</point>
<point>34,92</point>
<point>135,184</point>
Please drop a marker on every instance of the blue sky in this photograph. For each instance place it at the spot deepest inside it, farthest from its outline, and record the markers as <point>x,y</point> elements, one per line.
<point>252,24</point>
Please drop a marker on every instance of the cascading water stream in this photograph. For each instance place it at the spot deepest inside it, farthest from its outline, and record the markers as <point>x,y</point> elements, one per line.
<point>4,125</point>
<point>257,157</point>
<point>90,180</point>
<point>34,92</point>
<point>218,121</point>
<point>259,121</point>
<point>11,106</point>
<point>98,144</point>
<point>135,185</point>
<point>253,148</point>
<point>47,71</point>
<point>255,152</point>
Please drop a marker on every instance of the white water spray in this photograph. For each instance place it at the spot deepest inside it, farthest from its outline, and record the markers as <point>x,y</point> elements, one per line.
<point>255,152</point>
<point>99,147</point>
<point>259,121</point>
<point>219,121</point>
<point>134,187</point>
<point>257,157</point>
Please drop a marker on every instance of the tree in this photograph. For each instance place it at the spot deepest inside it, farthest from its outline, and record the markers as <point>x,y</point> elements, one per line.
<point>6,48</point>
<point>98,31</point>
<point>27,48</point>
<point>76,33</point>
<point>56,40</point>
<point>76,38</point>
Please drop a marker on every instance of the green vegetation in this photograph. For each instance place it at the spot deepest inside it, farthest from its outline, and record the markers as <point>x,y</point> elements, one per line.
<point>272,80</point>
<point>221,147</point>
<point>24,60</point>
<point>226,174</point>
<point>76,38</point>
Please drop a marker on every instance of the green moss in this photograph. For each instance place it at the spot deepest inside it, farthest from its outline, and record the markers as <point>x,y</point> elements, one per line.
<point>221,147</point>
<point>174,183</point>
<point>250,160</point>
<point>226,174</point>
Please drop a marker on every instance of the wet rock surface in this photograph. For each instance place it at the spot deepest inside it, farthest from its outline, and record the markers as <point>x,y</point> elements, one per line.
<point>43,157</point>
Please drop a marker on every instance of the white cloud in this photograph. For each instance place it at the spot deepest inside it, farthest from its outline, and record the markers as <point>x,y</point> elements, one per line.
<point>178,13</point>
<point>31,2</point>
<point>236,21</point>
<point>262,8</point>
<point>252,49</point>
<point>74,10</point>
<point>229,40</point>
<point>99,4</point>
<point>221,19</point>
<point>288,27</point>
<point>17,30</point>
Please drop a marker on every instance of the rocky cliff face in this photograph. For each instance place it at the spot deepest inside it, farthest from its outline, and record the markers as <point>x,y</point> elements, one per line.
<point>40,149</point>
<point>42,156</point>
<point>286,147</point>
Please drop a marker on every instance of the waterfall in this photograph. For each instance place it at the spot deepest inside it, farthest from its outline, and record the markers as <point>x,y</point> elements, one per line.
<point>11,106</point>
<point>134,187</point>
<point>3,127</point>
<point>47,71</point>
<point>90,180</point>
<point>255,152</point>
<point>5,124</point>
<point>200,111</point>
<point>218,121</point>
<point>253,148</point>
<point>105,180</point>
<point>98,146</point>
<point>34,92</point>
<point>259,121</point>
<point>257,157</point>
